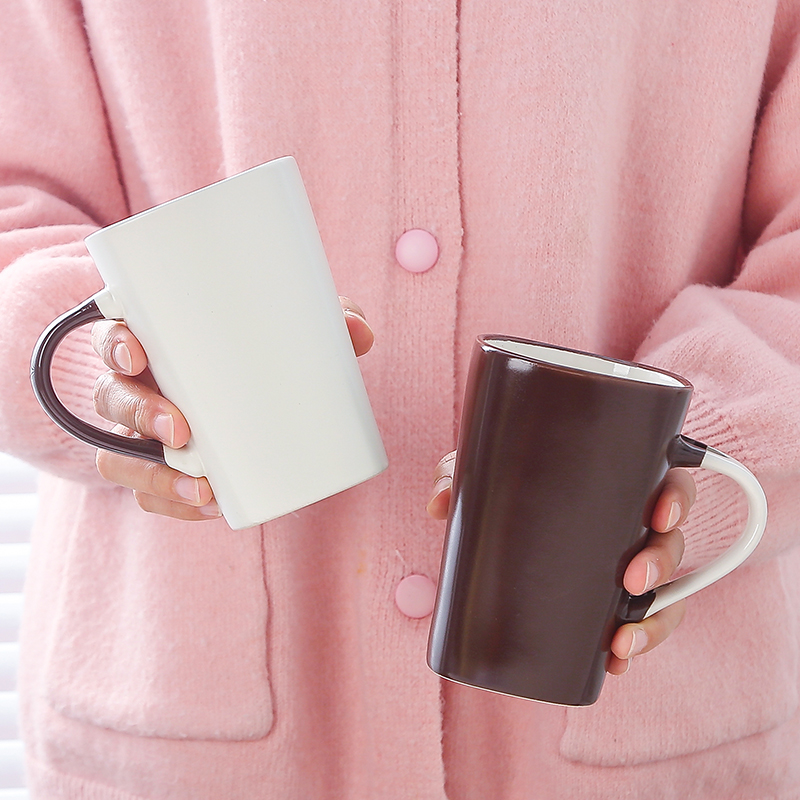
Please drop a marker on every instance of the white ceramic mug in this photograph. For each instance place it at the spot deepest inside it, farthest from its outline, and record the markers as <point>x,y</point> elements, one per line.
<point>229,291</point>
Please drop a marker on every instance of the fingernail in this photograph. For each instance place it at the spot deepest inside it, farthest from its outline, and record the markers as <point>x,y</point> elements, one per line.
<point>350,306</point>
<point>674,515</point>
<point>651,576</point>
<point>188,488</point>
<point>164,428</point>
<point>351,312</point>
<point>122,357</point>
<point>210,509</point>
<point>638,643</point>
<point>440,485</point>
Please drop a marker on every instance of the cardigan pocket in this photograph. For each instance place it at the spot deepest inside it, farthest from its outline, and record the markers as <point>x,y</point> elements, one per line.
<point>730,670</point>
<point>160,626</point>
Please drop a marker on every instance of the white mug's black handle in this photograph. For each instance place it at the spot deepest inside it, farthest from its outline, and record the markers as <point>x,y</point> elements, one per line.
<point>686,452</point>
<point>42,381</point>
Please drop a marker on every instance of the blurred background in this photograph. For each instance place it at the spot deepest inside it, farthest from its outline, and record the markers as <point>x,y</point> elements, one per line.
<point>17,508</point>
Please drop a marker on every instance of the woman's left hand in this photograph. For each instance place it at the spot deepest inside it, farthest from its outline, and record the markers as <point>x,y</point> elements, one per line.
<point>650,567</point>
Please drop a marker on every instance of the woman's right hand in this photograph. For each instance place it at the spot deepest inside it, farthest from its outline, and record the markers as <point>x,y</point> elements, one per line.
<point>128,396</point>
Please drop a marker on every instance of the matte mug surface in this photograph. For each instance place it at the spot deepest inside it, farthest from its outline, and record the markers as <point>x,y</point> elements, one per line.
<point>560,458</point>
<point>230,293</point>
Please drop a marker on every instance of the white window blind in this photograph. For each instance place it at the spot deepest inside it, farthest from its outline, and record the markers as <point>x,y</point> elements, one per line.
<point>17,507</point>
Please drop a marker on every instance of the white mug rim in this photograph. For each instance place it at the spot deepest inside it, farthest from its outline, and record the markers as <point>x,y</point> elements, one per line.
<point>133,218</point>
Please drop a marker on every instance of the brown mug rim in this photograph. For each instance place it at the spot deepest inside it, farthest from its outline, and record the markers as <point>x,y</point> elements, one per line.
<point>493,342</point>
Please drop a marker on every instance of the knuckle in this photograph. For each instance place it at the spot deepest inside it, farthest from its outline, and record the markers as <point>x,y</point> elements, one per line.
<point>100,339</point>
<point>141,415</point>
<point>665,621</point>
<point>101,392</point>
<point>152,478</point>
<point>671,549</point>
<point>122,400</point>
<point>667,550</point>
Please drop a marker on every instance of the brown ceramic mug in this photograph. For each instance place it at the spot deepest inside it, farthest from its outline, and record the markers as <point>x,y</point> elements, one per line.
<point>561,456</point>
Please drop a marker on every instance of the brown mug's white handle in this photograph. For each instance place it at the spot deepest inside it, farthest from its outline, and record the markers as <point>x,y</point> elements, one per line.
<point>688,453</point>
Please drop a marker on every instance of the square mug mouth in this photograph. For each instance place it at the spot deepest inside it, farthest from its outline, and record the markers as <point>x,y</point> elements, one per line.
<point>578,361</point>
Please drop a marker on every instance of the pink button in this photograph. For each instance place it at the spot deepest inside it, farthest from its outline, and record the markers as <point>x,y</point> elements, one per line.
<point>417,250</point>
<point>416,596</point>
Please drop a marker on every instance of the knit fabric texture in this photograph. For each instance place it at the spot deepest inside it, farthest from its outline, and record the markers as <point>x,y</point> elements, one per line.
<point>622,178</point>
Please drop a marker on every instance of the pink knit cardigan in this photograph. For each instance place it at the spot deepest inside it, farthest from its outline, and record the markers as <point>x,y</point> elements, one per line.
<point>619,177</point>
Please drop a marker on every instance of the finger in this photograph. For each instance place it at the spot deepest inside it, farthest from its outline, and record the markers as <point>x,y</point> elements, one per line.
<point>655,563</point>
<point>677,497</point>
<point>118,347</point>
<point>637,638</point>
<point>360,332</point>
<point>166,508</point>
<point>442,482</point>
<point>128,402</point>
<point>157,486</point>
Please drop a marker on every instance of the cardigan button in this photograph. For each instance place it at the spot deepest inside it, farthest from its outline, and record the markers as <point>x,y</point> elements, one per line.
<point>415,596</point>
<point>417,250</point>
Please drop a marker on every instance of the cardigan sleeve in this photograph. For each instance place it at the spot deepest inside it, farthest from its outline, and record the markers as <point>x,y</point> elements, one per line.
<point>58,182</point>
<point>740,344</point>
